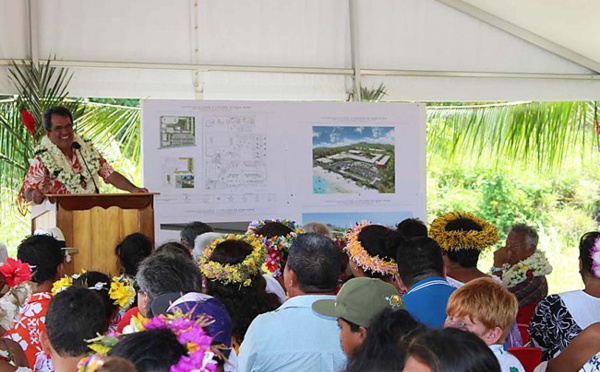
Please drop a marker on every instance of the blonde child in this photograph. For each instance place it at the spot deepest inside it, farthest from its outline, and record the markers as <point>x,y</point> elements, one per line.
<point>485,308</point>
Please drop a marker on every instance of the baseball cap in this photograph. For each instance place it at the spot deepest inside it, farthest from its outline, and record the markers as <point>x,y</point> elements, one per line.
<point>359,300</point>
<point>195,305</point>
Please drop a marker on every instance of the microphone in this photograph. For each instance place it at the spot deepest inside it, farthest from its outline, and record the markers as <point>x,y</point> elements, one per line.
<point>76,146</point>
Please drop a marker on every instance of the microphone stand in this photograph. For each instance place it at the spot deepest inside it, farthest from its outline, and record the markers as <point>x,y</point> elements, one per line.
<point>76,146</point>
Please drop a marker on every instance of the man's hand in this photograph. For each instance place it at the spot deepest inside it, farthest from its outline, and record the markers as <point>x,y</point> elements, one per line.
<point>137,190</point>
<point>501,257</point>
<point>34,195</point>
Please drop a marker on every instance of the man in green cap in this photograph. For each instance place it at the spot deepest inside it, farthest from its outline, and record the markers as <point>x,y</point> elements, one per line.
<point>357,303</point>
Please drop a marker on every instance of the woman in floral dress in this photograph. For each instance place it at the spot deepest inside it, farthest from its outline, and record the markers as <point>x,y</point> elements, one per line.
<point>559,318</point>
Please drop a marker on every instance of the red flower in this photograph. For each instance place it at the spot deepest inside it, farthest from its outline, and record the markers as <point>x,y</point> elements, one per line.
<point>28,121</point>
<point>529,274</point>
<point>15,272</point>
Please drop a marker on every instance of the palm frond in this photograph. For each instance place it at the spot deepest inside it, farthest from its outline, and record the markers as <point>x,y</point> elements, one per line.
<point>538,134</point>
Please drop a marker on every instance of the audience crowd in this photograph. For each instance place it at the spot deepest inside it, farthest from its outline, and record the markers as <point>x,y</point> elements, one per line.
<point>284,297</point>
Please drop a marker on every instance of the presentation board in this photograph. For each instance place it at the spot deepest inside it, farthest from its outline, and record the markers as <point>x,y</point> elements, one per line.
<point>336,163</point>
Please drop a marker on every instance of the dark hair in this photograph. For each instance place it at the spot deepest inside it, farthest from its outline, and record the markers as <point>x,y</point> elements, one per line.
<point>150,351</point>
<point>45,253</point>
<point>453,350</point>
<point>162,273</point>
<point>316,262</point>
<point>375,239</point>
<point>174,248</point>
<point>353,326</point>
<point>243,303</point>
<point>586,243</point>
<point>387,341</point>
<point>464,257</point>
<point>417,259</point>
<point>190,231</point>
<point>273,228</point>
<point>75,314</point>
<point>88,280</point>
<point>56,110</point>
<point>132,250</point>
<point>412,228</point>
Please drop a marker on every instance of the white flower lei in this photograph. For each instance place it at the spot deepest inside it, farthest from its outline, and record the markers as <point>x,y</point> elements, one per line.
<point>60,167</point>
<point>517,273</point>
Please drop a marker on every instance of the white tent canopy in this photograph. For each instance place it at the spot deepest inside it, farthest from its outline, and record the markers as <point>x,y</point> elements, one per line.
<point>311,49</point>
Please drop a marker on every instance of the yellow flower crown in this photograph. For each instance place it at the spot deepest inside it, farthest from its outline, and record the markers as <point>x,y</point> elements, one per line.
<point>362,258</point>
<point>455,240</point>
<point>121,289</point>
<point>241,273</point>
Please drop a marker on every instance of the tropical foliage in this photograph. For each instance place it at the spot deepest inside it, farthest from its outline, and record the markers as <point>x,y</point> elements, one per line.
<point>541,135</point>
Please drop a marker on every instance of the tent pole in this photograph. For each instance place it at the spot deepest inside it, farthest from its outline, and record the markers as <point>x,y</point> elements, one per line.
<point>354,50</point>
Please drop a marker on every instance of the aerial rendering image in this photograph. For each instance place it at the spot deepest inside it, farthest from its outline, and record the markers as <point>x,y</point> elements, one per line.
<point>353,160</point>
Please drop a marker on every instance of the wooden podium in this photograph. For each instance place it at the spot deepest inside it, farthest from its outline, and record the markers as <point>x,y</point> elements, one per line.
<point>95,224</point>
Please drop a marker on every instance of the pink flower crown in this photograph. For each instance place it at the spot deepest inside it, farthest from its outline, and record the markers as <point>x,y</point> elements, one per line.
<point>362,258</point>
<point>277,246</point>
<point>595,255</point>
<point>190,333</point>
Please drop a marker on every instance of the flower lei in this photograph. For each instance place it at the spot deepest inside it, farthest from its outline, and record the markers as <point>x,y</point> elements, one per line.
<point>595,255</point>
<point>535,265</point>
<point>121,289</point>
<point>361,257</point>
<point>455,240</point>
<point>241,273</point>
<point>277,246</point>
<point>60,167</point>
<point>190,333</point>
<point>16,274</point>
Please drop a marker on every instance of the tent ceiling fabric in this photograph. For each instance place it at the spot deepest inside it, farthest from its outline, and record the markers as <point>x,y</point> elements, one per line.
<point>304,49</point>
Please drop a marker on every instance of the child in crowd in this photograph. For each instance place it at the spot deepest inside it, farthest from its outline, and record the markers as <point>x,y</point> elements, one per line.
<point>359,300</point>
<point>485,308</point>
<point>75,314</point>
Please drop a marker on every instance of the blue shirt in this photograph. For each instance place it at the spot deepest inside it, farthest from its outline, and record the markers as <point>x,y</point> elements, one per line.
<point>292,338</point>
<point>426,301</point>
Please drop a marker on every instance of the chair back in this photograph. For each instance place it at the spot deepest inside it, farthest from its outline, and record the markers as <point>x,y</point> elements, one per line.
<point>523,329</point>
<point>529,357</point>
<point>525,313</point>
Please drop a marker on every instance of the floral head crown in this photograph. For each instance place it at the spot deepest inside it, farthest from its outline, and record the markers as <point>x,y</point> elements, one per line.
<point>242,272</point>
<point>121,289</point>
<point>16,274</point>
<point>277,246</point>
<point>595,255</point>
<point>459,239</point>
<point>362,258</point>
<point>190,333</point>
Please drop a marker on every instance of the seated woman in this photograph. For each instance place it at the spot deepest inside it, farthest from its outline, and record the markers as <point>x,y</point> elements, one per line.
<point>131,251</point>
<point>462,236</point>
<point>277,236</point>
<point>372,251</point>
<point>582,354</point>
<point>450,349</point>
<point>232,269</point>
<point>168,344</point>
<point>559,318</point>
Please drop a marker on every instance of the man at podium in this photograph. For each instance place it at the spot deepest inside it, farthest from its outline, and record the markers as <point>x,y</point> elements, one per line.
<point>64,163</point>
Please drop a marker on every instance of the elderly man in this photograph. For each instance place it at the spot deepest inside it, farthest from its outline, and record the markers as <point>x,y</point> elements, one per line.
<point>523,268</point>
<point>294,337</point>
<point>64,163</point>
<point>163,273</point>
